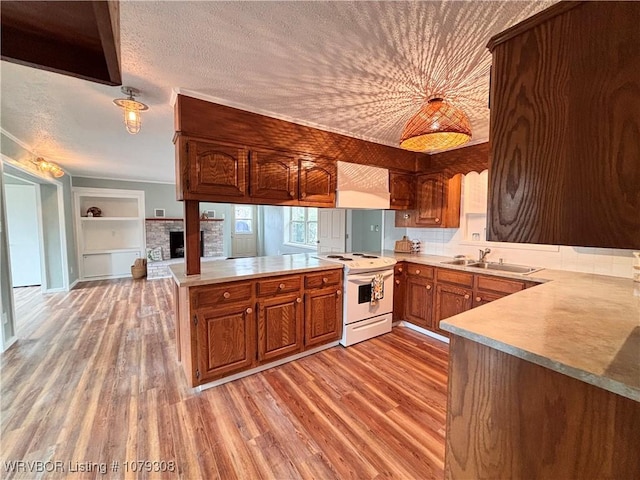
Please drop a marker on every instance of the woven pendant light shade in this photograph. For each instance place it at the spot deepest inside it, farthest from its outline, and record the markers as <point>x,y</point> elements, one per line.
<point>436,126</point>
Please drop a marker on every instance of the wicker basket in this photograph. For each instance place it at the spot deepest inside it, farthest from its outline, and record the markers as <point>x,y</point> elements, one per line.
<point>139,269</point>
<point>403,246</point>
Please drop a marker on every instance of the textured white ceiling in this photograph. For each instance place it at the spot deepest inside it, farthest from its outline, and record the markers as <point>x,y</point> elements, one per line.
<point>358,68</point>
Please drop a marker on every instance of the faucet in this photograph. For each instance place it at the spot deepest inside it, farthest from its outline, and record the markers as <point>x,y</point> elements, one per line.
<point>483,254</point>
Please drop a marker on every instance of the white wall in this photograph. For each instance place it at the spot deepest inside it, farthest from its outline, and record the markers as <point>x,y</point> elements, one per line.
<point>272,224</point>
<point>450,242</point>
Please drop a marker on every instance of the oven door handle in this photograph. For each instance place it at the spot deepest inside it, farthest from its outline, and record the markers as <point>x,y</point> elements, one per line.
<point>365,278</point>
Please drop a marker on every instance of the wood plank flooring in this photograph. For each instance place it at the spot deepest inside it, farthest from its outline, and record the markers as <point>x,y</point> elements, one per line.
<point>94,379</point>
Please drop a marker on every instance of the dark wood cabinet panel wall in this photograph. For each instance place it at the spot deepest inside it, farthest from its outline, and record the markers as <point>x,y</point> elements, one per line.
<point>565,127</point>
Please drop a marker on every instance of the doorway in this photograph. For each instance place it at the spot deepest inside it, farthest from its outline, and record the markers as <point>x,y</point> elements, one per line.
<point>243,231</point>
<point>23,231</point>
<point>331,230</point>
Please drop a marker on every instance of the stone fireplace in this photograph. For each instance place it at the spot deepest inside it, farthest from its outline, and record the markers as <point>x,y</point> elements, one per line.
<point>176,244</point>
<point>160,230</point>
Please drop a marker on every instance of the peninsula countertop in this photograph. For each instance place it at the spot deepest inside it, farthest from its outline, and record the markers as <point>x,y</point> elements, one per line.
<point>220,271</point>
<point>582,325</point>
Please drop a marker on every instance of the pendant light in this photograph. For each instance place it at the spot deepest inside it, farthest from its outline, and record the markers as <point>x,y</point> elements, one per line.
<point>132,109</point>
<point>437,125</point>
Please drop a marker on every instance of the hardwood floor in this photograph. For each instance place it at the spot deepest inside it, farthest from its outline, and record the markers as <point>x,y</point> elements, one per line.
<point>94,379</point>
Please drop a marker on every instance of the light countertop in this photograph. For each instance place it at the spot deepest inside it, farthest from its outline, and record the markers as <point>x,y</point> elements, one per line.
<point>231,270</point>
<point>582,325</point>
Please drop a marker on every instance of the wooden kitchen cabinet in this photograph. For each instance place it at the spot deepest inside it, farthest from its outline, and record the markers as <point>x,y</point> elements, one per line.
<point>318,181</point>
<point>437,203</point>
<point>280,327</point>
<point>402,189</point>
<point>322,316</point>
<point>213,171</point>
<point>273,176</point>
<point>488,288</point>
<point>399,291</point>
<point>419,301</point>
<point>450,300</point>
<point>225,340</point>
<point>565,127</point>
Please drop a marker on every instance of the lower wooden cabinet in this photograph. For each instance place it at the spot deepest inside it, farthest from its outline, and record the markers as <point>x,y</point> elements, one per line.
<point>429,295</point>
<point>225,340</point>
<point>419,301</point>
<point>450,300</point>
<point>226,328</point>
<point>322,316</point>
<point>399,291</point>
<point>280,325</point>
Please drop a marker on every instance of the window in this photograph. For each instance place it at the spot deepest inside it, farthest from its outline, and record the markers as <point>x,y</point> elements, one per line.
<point>303,226</point>
<point>243,220</point>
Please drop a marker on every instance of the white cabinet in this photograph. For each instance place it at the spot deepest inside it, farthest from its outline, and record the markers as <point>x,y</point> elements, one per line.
<point>108,244</point>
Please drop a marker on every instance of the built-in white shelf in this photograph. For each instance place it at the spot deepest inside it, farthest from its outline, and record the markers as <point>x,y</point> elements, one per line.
<point>109,244</point>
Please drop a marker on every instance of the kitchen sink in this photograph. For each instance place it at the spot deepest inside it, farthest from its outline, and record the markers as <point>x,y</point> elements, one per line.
<point>503,267</point>
<point>460,261</point>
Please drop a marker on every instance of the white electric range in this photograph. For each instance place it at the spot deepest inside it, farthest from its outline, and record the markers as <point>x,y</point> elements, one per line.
<point>364,319</point>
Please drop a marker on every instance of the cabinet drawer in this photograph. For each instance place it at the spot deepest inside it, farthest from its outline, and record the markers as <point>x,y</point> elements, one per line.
<point>399,268</point>
<point>222,294</point>
<point>453,276</point>
<point>497,284</point>
<point>323,279</point>
<point>423,271</point>
<point>278,285</point>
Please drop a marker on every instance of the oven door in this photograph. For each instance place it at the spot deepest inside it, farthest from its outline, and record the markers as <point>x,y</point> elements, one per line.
<point>357,299</point>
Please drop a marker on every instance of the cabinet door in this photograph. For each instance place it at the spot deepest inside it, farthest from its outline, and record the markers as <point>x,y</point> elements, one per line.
<point>280,323</point>
<point>225,340</point>
<point>318,180</point>
<point>322,316</point>
<point>419,301</point>
<point>402,187</point>
<point>430,200</point>
<point>216,170</point>
<point>399,292</point>
<point>450,300</point>
<point>438,201</point>
<point>273,176</point>
<point>480,298</point>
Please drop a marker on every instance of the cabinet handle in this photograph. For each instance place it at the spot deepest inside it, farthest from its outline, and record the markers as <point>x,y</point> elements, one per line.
<point>417,272</point>
<point>338,293</point>
<point>466,297</point>
<point>400,269</point>
<point>226,294</point>
<point>249,310</point>
<point>303,195</point>
<point>298,300</point>
<point>478,299</point>
<point>428,287</point>
<point>437,220</point>
<point>325,280</point>
<point>292,193</point>
<point>397,282</point>
<point>281,286</point>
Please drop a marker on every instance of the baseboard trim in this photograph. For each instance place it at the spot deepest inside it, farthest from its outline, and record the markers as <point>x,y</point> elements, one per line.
<point>421,330</point>
<point>261,368</point>
<point>72,286</point>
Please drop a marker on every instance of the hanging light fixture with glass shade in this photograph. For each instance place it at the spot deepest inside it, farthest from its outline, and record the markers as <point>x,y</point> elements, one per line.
<point>132,109</point>
<point>437,125</point>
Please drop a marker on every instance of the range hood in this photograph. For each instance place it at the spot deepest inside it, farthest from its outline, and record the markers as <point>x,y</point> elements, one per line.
<point>362,186</point>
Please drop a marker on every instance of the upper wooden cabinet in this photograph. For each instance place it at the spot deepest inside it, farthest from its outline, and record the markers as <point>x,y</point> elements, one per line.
<point>273,176</point>
<point>437,203</point>
<point>318,180</point>
<point>212,171</point>
<point>402,187</point>
<point>565,127</point>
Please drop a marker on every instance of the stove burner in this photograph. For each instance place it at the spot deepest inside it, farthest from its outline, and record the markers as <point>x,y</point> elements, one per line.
<point>369,256</point>
<point>358,254</point>
<point>346,259</point>
<point>335,256</point>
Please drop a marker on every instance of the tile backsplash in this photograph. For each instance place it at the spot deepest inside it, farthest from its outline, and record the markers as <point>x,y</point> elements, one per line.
<point>457,241</point>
